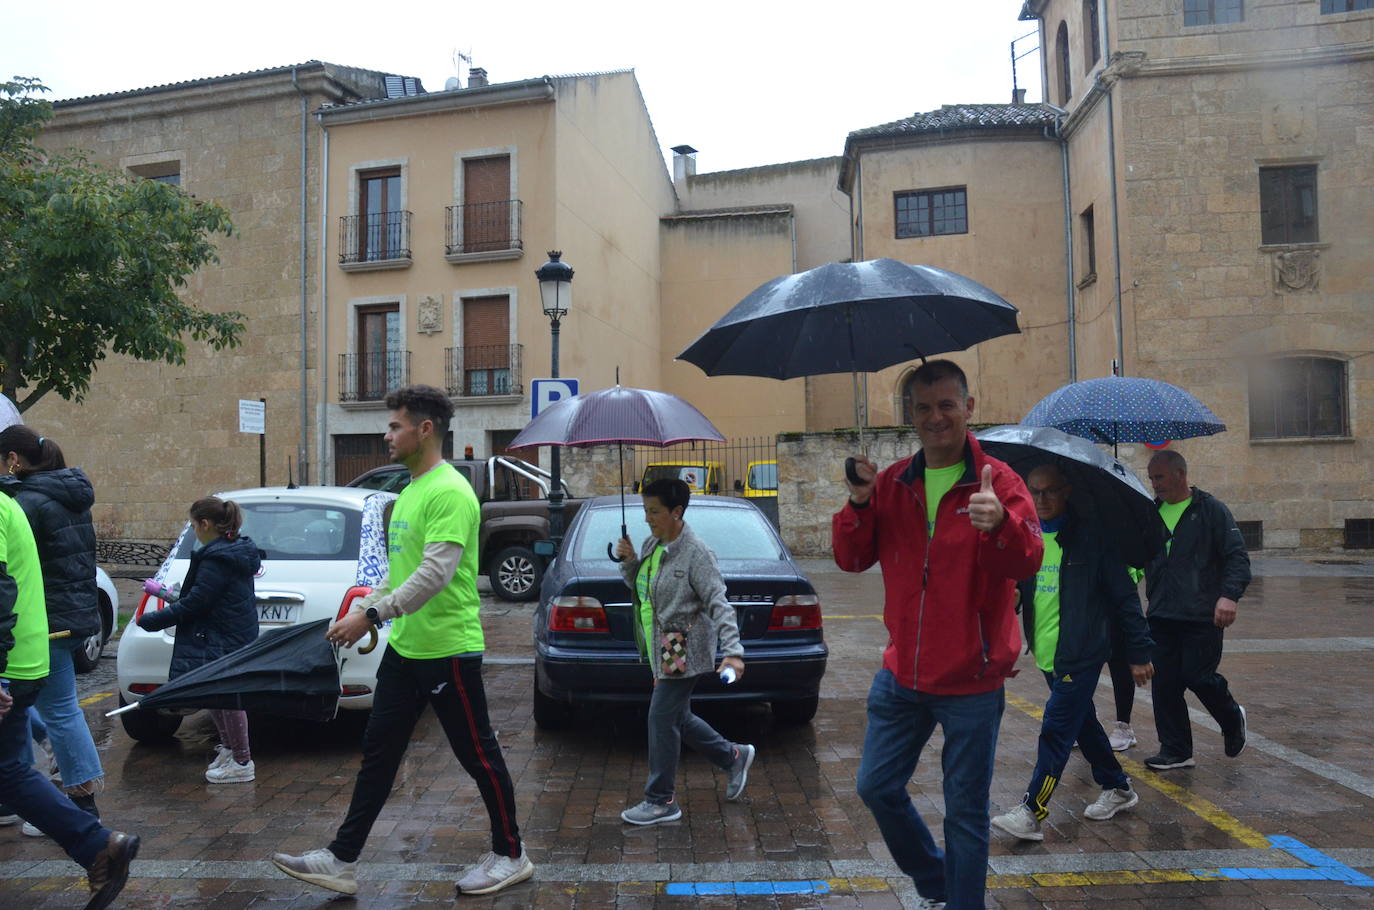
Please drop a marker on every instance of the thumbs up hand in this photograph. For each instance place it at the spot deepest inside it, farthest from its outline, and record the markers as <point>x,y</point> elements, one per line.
<point>985,510</point>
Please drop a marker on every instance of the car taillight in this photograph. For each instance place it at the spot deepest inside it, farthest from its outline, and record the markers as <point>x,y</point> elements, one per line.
<point>795,612</point>
<point>357,592</point>
<point>144,688</point>
<point>577,614</point>
<point>148,602</point>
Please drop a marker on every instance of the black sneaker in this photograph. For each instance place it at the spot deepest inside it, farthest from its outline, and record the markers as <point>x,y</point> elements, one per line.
<point>1162,762</point>
<point>1235,740</point>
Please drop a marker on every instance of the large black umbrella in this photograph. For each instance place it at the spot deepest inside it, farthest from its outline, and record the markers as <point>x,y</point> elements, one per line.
<point>850,317</point>
<point>618,416</point>
<point>1103,488</point>
<point>291,671</point>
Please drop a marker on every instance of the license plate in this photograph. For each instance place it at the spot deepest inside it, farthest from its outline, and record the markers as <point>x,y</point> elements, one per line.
<point>278,614</point>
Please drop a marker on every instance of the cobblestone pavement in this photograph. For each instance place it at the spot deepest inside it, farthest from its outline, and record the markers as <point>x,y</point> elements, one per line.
<point>1286,825</point>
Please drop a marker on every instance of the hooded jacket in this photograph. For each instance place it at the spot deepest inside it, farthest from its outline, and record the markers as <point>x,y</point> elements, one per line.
<point>58,506</point>
<point>1095,591</point>
<point>949,603</point>
<point>217,611</point>
<point>1205,560</point>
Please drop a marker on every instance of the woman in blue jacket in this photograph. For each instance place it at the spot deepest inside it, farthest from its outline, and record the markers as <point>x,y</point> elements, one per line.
<point>216,613</point>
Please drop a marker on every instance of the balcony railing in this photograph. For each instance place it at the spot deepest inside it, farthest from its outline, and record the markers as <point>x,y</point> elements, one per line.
<point>486,369</point>
<point>379,237</point>
<point>483,227</point>
<point>368,377</point>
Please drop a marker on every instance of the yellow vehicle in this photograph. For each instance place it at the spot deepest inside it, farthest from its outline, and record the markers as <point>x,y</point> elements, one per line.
<point>761,479</point>
<point>693,472</point>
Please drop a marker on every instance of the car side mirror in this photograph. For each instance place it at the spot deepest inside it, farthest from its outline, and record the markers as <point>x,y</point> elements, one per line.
<point>544,548</point>
<point>739,486</point>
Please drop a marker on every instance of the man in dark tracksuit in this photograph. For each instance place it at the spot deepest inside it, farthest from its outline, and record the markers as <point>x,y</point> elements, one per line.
<point>1192,589</point>
<point>1068,610</point>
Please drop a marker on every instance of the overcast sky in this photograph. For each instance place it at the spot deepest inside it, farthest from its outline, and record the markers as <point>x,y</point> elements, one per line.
<point>747,82</point>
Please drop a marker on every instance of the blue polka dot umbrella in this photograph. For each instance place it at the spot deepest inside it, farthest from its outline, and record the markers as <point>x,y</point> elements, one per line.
<point>1118,409</point>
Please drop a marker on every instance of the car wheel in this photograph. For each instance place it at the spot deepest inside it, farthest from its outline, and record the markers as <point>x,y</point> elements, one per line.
<point>549,713</point>
<point>796,710</point>
<point>515,574</point>
<point>149,726</point>
<point>87,656</point>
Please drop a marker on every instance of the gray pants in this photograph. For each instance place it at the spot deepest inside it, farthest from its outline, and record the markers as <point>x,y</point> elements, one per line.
<point>670,722</point>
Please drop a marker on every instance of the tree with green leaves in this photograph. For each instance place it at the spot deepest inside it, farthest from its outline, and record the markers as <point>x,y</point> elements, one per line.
<point>91,261</point>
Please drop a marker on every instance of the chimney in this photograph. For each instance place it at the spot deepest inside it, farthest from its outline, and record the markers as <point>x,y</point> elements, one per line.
<point>477,77</point>
<point>1018,96</point>
<point>684,163</point>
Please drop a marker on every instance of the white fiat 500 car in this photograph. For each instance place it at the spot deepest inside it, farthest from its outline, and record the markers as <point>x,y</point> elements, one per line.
<point>326,547</point>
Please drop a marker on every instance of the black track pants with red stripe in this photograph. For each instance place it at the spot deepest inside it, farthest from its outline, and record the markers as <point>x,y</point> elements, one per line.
<point>453,685</point>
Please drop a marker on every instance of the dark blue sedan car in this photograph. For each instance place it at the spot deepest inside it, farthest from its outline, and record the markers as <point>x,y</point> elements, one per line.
<point>584,640</point>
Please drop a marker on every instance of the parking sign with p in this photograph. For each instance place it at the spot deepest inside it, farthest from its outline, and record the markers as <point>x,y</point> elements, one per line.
<point>546,392</point>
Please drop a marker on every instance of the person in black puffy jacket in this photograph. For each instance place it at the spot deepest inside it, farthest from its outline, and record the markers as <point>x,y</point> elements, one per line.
<point>216,613</point>
<point>57,501</point>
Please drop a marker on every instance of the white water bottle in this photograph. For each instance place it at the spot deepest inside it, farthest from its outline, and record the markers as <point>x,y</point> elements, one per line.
<point>727,675</point>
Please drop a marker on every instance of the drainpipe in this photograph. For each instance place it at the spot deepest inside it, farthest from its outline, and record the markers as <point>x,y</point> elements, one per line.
<point>323,445</point>
<point>1116,209</point>
<point>1070,292</point>
<point>303,451</point>
<point>860,385</point>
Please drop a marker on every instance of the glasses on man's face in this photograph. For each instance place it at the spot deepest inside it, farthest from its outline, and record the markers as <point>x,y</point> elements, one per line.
<point>1047,492</point>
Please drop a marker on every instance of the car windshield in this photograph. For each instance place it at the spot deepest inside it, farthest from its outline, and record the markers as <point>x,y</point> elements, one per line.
<point>386,481</point>
<point>296,531</point>
<point>764,476</point>
<point>733,533</point>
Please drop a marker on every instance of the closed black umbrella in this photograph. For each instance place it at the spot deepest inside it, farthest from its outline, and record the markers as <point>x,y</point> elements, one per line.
<point>1103,488</point>
<point>291,671</point>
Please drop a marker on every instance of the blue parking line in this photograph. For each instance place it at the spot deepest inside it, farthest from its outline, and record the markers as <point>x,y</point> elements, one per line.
<point>796,887</point>
<point>1323,867</point>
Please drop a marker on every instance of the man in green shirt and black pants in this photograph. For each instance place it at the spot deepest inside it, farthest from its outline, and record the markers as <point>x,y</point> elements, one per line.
<point>1192,589</point>
<point>433,654</point>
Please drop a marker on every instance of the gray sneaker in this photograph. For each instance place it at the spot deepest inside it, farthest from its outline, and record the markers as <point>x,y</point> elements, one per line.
<point>739,772</point>
<point>1110,803</point>
<point>320,867</point>
<point>495,872</point>
<point>647,813</point>
<point>1020,823</point>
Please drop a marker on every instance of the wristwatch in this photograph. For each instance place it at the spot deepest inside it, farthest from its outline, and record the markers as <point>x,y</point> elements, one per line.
<point>373,616</point>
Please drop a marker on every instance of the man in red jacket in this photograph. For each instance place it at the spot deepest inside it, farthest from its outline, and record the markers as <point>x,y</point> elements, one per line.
<point>953,530</point>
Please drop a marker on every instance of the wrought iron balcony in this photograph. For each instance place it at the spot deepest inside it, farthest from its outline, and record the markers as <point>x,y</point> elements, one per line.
<point>483,227</point>
<point>368,377</point>
<point>486,369</point>
<point>380,237</point>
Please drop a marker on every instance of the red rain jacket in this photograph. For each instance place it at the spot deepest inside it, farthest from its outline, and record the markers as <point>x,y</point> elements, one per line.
<point>949,604</point>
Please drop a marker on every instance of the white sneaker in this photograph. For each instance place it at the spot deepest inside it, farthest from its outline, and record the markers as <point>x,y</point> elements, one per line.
<point>925,903</point>
<point>31,830</point>
<point>1020,823</point>
<point>1110,803</point>
<point>320,867</point>
<point>222,754</point>
<point>1122,737</point>
<point>495,872</point>
<point>232,773</point>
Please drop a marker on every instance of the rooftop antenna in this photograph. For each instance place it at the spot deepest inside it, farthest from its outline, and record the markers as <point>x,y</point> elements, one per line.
<point>459,58</point>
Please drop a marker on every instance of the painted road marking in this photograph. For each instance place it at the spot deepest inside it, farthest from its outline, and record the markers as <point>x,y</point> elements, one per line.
<point>94,699</point>
<point>812,887</point>
<point>1211,813</point>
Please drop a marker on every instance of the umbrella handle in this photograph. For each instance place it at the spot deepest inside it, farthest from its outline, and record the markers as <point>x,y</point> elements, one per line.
<point>610,551</point>
<point>371,641</point>
<point>623,533</point>
<point>65,633</point>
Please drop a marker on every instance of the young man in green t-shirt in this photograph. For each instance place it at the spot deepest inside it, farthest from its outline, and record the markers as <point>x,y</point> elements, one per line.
<point>433,655</point>
<point>105,854</point>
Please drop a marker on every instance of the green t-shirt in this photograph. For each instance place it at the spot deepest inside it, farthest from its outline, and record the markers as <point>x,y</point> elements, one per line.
<point>28,659</point>
<point>644,582</point>
<point>939,481</point>
<point>1171,512</point>
<point>1047,603</point>
<point>438,507</point>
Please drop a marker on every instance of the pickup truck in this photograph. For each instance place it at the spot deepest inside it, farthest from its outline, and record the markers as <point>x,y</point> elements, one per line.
<point>515,514</point>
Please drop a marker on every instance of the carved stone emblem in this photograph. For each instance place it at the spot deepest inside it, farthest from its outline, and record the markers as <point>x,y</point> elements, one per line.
<point>1296,270</point>
<point>430,314</point>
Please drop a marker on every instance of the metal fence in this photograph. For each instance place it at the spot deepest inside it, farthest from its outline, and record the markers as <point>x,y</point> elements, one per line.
<point>377,237</point>
<point>484,369</point>
<point>369,376</point>
<point>716,467</point>
<point>482,227</point>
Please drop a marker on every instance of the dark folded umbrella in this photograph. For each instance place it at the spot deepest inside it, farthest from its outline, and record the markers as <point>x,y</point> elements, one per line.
<point>291,671</point>
<point>1103,487</point>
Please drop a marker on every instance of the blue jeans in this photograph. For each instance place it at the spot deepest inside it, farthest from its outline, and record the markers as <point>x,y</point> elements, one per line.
<point>32,796</point>
<point>58,708</point>
<point>900,722</point>
<point>1069,716</point>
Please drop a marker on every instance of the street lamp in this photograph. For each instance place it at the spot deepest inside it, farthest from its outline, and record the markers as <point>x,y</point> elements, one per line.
<point>555,293</point>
